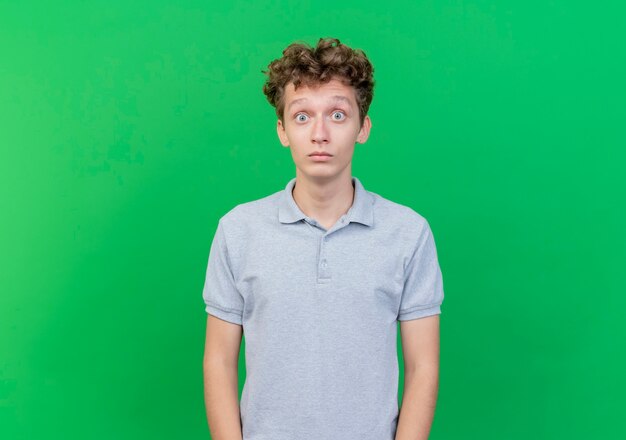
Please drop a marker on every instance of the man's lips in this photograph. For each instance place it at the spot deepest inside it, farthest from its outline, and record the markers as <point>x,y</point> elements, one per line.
<point>320,156</point>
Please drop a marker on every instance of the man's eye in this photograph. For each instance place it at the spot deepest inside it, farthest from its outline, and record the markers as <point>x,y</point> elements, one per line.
<point>338,116</point>
<point>301,117</point>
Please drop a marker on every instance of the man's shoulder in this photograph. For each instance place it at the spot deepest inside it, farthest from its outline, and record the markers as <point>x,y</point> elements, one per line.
<point>393,214</point>
<point>253,211</point>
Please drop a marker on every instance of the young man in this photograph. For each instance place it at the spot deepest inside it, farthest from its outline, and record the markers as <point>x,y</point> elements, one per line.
<point>317,276</point>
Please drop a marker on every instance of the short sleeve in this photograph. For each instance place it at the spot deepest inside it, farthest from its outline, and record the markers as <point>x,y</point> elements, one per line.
<point>423,285</point>
<point>220,294</point>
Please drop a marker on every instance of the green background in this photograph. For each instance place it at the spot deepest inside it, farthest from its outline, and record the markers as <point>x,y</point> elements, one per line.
<point>128,128</point>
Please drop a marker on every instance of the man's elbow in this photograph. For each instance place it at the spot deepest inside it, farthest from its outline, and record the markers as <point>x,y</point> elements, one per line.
<point>422,370</point>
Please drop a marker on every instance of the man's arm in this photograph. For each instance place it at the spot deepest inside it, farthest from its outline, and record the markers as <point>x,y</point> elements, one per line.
<point>221,355</point>
<point>420,349</point>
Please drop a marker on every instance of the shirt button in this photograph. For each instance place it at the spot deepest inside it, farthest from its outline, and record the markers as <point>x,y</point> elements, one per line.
<point>325,238</point>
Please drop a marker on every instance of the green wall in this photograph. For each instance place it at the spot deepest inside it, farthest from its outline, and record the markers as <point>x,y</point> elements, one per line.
<point>128,128</point>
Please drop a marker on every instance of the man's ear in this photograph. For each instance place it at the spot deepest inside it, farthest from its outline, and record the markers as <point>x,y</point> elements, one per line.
<point>364,132</point>
<point>282,135</point>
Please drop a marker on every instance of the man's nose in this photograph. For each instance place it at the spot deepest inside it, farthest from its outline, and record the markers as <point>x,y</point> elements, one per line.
<point>319,133</point>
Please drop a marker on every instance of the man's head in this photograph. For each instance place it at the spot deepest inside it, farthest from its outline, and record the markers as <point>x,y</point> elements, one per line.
<point>310,66</point>
<point>321,96</point>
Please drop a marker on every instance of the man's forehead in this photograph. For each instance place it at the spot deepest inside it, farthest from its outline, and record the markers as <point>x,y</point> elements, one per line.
<point>333,99</point>
<point>332,92</point>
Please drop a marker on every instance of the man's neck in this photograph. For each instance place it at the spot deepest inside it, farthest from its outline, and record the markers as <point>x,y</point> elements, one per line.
<point>324,200</point>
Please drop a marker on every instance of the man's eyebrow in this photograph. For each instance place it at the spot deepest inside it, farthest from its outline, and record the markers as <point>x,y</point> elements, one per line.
<point>333,98</point>
<point>342,99</point>
<point>295,101</point>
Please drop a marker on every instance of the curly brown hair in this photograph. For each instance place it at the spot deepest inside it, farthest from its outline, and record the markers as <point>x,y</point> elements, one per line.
<point>302,64</point>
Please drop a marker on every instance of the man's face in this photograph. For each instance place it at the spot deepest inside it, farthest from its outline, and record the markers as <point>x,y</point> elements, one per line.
<point>324,119</point>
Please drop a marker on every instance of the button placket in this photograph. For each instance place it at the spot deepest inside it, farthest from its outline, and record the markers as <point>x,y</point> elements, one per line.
<point>323,272</point>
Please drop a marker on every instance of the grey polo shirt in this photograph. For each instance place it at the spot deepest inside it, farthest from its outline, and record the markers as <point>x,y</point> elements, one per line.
<point>319,309</point>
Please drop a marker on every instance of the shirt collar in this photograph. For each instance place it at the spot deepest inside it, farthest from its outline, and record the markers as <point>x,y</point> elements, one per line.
<point>361,211</point>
